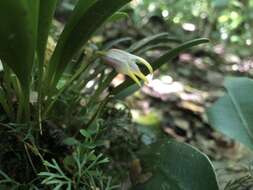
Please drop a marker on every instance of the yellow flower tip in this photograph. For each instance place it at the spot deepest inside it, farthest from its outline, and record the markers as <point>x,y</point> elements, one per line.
<point>135,79</point>
<point>144,62</point>
<point>142,77</point>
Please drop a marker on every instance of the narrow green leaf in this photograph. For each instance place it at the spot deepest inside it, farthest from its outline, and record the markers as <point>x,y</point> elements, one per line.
<point>117,42</point>
<point>131,89</point>
<point>18,36</point>
<point>46,13</point>
<point>161,46</point>
<point>176,51</point>
<point>232,114</point>
<point>150,40</point>
<point>118,16</point>
<point>126,88</point>
<point>176,166</point>
<point>87,17</point>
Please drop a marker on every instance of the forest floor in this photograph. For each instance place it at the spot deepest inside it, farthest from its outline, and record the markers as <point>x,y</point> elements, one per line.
<point>176,100</point>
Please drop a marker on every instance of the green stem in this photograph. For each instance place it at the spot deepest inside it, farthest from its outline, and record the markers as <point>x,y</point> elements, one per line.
<point>40,91</point>
<point>83,67</point>
<point>30,160</point>
<point>101,88</point>
<point>85,81</point>
<point>20,97</point>
<point>100,108</point>
<point>27,111</point>
<point>73,78</point>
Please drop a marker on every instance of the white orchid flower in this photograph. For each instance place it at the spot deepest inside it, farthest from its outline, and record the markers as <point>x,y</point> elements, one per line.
<point>126,63</point>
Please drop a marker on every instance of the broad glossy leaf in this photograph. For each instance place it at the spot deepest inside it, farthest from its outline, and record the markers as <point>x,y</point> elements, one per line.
<point>126,89</point>
<point>177,166</point>
<point>18,36</point>
<point>232,114</point>
<point>46,12</point>
<point>87,17</point>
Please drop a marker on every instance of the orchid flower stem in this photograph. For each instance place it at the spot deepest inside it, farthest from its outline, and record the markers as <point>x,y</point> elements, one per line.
<point>101,88</point>
<point>99,109</point>
<point>84,82</point>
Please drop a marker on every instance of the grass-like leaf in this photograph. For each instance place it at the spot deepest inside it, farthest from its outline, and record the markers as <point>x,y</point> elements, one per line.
<point>18,36</point>
<point>46,12</point>
<point>150,40</point>
<point>87,17</point>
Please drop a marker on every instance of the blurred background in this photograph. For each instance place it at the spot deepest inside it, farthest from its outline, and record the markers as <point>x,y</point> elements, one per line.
<point>176,98</point>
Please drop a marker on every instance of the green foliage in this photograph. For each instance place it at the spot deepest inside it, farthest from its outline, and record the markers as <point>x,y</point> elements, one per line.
<point>81,170</point>
<point>84,172</point>
<point>22,31</point>
<point>47,88</point>
<point>240,183</point>
<point>232,114</point>
<point>223,21</point>
<point>78,31</point>
<point>74,36</point>
<point>7,182</point>
<point>46,12</point>
<point>44,78</point>
<point>18,35</point>
<point>177,166</point>
<point>118,16</point>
